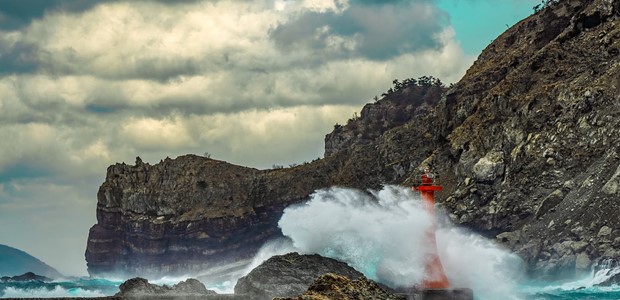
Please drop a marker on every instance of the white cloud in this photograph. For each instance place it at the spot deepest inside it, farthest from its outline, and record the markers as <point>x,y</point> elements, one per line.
<point>150,134</point>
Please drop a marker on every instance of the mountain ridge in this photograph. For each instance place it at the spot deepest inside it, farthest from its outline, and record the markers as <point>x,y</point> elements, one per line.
<point>17,262</point>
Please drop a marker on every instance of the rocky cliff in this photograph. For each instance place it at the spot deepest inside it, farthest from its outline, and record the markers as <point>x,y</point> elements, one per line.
<point>526,142</point>
<point>183,215</point>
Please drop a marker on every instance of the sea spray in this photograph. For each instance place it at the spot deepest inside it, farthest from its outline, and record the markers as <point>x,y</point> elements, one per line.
<point>382,234</point>
<point>473,261</point>
<point>279,246</point>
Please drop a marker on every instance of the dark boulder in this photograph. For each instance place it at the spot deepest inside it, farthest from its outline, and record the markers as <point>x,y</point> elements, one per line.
<point>332,286</point>
<point>289,275</point>
<point>29,276</point>
<point>140,287</point>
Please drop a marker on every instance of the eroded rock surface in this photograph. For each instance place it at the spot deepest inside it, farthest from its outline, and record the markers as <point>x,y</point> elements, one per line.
<point>289,275</point>
<point>333,286</point>
<point>141,288</point>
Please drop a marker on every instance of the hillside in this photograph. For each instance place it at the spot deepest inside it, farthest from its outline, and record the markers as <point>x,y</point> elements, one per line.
<point>526,142</point>
<point>16,262</point>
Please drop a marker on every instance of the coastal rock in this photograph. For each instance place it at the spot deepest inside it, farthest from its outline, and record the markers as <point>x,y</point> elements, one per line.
<point>29,276</point>
<point>289,275</point>
<point>333,286</point>
<point>140,287</point>
<point>185,215</point>
<point>609,266</point>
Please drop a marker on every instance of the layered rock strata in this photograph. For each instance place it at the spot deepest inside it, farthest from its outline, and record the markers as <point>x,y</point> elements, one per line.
<point>187,214</point>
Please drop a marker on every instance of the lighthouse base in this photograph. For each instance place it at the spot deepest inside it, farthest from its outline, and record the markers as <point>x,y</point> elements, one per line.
<point>439,294</point>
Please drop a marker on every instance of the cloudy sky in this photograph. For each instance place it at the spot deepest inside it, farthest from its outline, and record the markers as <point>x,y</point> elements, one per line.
<point>85,84</point>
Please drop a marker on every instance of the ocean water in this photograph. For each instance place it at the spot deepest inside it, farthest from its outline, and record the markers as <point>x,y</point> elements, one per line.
<point>381,234</point>
<point>66,287</point>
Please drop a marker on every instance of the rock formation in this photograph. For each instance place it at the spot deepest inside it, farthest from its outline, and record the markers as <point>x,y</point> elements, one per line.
<point>289,275</point>
<point>333,286</point>
<point>527,143</point>
<point>183,215</point>
<point>610,269</point>
<point>141,288</point>
<point>28,276</point>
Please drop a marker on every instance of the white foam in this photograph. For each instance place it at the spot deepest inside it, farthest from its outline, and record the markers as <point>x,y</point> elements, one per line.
<point>57,292</point>
<point>382,234</point>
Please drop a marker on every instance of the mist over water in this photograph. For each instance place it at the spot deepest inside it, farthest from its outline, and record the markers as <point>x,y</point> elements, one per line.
<point>379,233</point>
<point>382,234</point>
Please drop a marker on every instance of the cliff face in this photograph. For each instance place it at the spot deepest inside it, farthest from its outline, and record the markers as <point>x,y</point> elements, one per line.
<point>533,132</point>
<point>186,214</point>
<point>527,144</point>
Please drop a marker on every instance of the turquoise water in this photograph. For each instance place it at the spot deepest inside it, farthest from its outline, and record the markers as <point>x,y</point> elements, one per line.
<point>69,287</point>
<point>551,291</point>
<point>588,293</point>
<point>87,287</point>
<point>586,288</point>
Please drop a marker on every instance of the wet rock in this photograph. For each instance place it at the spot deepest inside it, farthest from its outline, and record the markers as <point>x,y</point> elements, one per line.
<point>28,276</point>
<point>582,263</point>
<point>141,288</point>
<point>608,266</point>
<point>289,275</point>
<point>333,286</point>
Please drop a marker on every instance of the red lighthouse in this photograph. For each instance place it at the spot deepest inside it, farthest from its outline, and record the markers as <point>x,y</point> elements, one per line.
<point>434,274</point>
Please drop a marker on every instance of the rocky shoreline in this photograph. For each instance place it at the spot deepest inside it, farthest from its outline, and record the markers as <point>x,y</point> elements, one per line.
<point>287,277</point>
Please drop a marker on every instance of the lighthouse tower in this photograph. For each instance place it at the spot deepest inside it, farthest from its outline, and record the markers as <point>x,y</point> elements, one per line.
<point>434,274</point>
<point>435,285</point>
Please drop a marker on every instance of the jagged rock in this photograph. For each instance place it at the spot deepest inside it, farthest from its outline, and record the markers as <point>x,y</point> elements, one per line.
<point>140,287</point>
<point>29,276</point>
<point>489,167</point>
<point>333,286</point>
<point>289,275</point>
<point>184,215</point>
<point>604,231</point>
<point>549,202</point>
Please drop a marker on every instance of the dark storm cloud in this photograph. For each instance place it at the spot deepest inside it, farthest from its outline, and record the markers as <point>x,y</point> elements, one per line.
<point>18,58</point>
<point>22,170</point>
<point>380,29</point>
<point>17,14</point>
